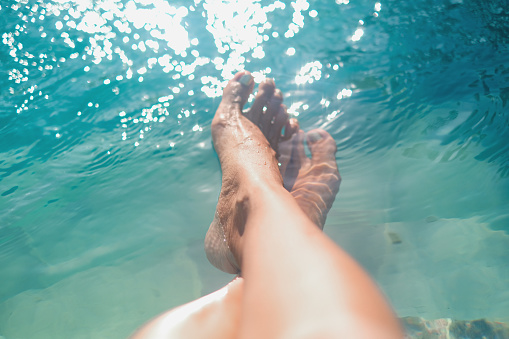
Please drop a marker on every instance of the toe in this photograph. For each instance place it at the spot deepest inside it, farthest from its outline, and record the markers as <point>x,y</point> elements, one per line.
<point>285,149</point>
<point>279,121</point>
<point>238,89</point>
<point>272,110</point>
<point>300,153</point>
<point>291,127</point>
<point>298,157</point>
<point>322,145</point>
<point>265,92</point>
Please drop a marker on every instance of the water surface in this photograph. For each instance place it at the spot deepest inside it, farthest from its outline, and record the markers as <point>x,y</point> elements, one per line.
<point>109,180</point>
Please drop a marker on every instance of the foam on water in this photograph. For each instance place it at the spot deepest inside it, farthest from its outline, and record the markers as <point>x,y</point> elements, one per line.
<point>109,180</point>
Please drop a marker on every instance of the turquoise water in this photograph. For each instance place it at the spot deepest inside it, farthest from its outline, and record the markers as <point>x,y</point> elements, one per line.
<point>109,179</point>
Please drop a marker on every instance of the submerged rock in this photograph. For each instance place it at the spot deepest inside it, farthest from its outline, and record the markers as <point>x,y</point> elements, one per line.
<point>419,328</point>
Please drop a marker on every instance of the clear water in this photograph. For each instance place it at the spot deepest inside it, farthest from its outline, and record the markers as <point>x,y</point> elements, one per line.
<point>109,180</point>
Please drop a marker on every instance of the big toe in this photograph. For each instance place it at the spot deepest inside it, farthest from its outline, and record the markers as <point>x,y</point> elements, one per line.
<point>322,146</point>
<point>238,89</point>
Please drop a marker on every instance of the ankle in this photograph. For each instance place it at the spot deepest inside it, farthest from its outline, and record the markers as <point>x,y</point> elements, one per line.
<point>238,202</point>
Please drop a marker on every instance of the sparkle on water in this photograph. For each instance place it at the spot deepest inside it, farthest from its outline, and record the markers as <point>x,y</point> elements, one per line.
<point>115,30</point>
<point>109,177</point>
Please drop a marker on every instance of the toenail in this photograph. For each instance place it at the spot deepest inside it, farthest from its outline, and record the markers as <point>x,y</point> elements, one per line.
<point>314,136</point>
<point>246,80</point>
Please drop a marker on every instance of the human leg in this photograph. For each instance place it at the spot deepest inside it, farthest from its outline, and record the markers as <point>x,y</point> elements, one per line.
<point>217,315</point>
<point>323,293</point>
<point>298,283</point>
<point>214,316</point>
<point>269,115</point>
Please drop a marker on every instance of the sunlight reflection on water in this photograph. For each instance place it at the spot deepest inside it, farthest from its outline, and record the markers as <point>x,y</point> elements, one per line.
<point>107,153</point>
<point>142,36</point>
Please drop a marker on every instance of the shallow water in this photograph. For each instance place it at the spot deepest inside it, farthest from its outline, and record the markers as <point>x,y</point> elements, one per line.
<point>109,179</point>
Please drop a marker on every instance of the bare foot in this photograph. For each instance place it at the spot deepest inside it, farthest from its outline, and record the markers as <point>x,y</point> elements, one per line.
<point>313,182</point>
<point>252,190</point>
<point>248,161</point>
<point>269,114</point>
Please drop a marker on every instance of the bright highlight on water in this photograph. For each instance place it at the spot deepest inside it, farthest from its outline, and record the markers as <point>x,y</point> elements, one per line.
<point>109,180</point>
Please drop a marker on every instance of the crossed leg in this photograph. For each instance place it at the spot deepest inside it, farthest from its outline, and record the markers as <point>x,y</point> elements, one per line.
<point>217,315</point>
<point>313,182</point>
<point>296,282</point>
